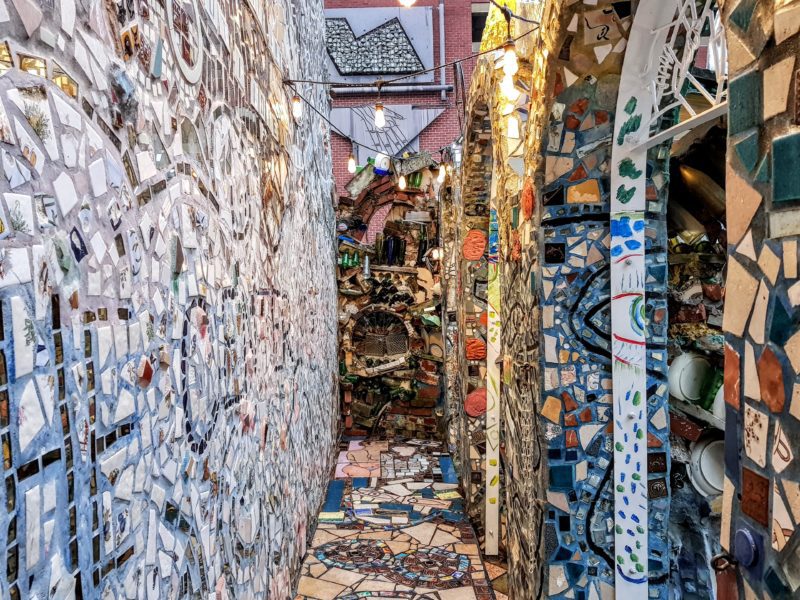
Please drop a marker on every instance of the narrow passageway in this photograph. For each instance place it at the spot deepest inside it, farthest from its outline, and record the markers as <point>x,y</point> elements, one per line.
<point>393,526</point>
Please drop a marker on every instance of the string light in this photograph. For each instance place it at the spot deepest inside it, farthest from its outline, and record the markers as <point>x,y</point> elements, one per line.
<point>401,183</point>
<point>351,164</point>
<point>510,63</point>
<point>509,89</point>
<point>297,108</point>
<point>380,116</point>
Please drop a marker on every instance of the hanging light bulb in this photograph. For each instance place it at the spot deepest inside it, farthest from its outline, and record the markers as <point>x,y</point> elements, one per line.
<point>380,116</point>
<point>351,164</point>
<point>510,64</point>
<point>408,3</point>
<point>297,108</point>
<point>508,88</point>
<point>442,174</point>
<point>401,183</point>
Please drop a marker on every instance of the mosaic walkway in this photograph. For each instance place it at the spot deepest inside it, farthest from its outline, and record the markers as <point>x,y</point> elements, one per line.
<point>393,526</point>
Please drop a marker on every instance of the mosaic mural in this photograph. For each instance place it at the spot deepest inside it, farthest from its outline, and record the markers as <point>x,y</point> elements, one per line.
<point>556,253</point>
<point>580,250</point>
<point>393,526</point>
<point>762,359</point>
<point>391,349</point>
<point>167,370</point>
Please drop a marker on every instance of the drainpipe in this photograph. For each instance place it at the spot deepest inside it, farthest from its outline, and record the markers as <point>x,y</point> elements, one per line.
<point>442,54</point>
<point>388,90</point>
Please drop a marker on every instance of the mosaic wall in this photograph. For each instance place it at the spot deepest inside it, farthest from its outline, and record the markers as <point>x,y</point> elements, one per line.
<point>472,246</point>
<point>762,344</point>
<point>492,178</point>
<point>555,235</point>
<point>167,370</point>
<point>576,318</point>
<point>389,309</point>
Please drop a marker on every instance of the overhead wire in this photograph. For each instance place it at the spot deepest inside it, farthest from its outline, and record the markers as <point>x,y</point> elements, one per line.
<point>381,83</point>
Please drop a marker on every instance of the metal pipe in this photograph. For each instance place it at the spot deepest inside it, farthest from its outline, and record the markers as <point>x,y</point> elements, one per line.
<point>442,53</point>
<point>387,91</point>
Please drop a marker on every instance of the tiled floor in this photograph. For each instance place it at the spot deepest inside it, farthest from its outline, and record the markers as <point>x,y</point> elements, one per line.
<point>393,526</point>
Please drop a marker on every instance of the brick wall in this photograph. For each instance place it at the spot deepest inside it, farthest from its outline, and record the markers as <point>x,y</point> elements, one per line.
<point>458,44</point>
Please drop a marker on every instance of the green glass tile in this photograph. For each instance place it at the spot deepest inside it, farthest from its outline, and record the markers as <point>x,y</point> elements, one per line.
<point>747,150</point>
<point>786,166</point>
<point>745,102</point>
<point>743,14</point>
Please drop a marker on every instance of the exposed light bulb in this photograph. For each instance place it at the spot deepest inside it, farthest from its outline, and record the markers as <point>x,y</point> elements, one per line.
<point>351,164</point>
<point>442,174</point>
<point>510,64</point>
<point>401,183</point>
<point>408,3</point>
<point>297,108</point>
<point>508,88</point>
<point>380,116</point>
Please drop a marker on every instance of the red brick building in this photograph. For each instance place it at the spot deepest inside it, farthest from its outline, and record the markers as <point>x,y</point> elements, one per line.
<point>371,40</point>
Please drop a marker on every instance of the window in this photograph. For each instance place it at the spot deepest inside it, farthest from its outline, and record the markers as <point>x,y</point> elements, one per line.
<point>480,11</point>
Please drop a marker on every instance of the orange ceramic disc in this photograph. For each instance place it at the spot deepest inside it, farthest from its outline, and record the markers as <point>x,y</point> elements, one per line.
<point>474,245</point>
<point>475,404</point>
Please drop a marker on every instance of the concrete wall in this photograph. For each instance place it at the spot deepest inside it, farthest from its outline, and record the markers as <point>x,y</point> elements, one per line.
<point>167,382</point>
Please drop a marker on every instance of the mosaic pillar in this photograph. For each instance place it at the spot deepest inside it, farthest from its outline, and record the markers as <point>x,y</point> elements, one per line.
<point>761,510</point>
<point>493,385</point>
<point>603,534</point>
<point>629,275</point>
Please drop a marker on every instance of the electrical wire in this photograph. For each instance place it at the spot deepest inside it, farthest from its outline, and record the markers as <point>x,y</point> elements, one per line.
<point>382,83</point>
<point>339,131</point>
<point>512,15</point>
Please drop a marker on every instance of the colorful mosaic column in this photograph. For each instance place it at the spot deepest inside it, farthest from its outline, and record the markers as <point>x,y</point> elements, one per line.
<point>628,276</point>
<point>493,348</point>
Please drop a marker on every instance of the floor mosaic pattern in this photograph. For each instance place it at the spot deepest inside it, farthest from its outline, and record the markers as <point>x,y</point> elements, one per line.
<point>393,526</point>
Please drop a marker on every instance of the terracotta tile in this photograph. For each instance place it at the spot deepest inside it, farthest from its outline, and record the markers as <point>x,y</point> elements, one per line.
<point>684,428</point>
<point>733,374</point>
<point>755,496</point>
<point>770,376</point>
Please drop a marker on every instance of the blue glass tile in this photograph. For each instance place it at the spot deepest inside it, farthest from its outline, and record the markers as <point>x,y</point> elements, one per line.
<point>333,498</point>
